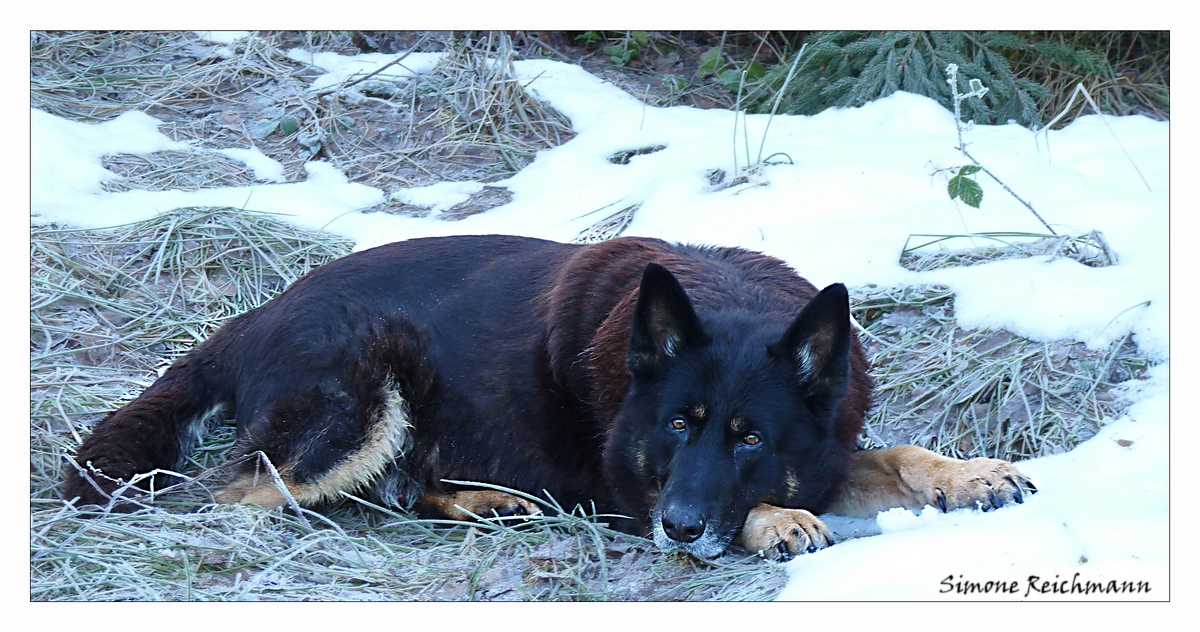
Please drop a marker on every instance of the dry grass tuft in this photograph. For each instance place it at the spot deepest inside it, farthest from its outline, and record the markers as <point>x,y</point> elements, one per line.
<point>608,227</point>
<point>469,118</point>
<point>175,171</point>
<point>1090,249</point>
<point>983,392</point>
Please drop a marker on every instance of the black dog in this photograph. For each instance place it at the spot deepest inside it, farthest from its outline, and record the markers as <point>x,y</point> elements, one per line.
<point>710,394</point>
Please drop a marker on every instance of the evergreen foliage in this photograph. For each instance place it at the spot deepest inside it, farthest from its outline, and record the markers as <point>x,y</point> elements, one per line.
<point>847,68</point>
<point>1024,71</point>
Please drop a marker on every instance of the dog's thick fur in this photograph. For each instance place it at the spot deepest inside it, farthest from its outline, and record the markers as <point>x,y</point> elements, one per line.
<point>710,394</point>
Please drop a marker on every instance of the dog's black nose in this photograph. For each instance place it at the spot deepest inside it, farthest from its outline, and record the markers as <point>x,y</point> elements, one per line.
<point>682,526</point>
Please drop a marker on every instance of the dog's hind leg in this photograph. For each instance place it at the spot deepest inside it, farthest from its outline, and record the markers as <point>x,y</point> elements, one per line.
<point>347,432</point>
<point>485,503</point>
<point>331,451</point>
<point>912,477</point>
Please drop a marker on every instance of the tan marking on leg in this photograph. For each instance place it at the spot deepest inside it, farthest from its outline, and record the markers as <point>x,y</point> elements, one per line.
<point>479,502</point>
<point>387,438</point>
<point>244,490</point>
<point>913,477</point>
<point>798,531</point>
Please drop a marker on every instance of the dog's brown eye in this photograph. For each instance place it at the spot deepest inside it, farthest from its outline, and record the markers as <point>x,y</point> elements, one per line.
<point>751,439</point>
<point>678,423</point>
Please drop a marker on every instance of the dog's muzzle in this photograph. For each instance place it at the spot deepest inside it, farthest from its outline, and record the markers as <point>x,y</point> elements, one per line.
<point>688,532</point>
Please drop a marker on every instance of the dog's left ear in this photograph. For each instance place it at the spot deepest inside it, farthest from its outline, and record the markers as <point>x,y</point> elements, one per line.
<point>663,321</point>
<point>818,343</point>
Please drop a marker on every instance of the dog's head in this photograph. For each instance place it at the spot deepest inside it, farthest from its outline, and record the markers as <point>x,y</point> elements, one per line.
<point>725,412</point>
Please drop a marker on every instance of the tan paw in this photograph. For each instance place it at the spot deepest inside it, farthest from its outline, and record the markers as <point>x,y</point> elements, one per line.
<point>780,534</point>
<point>981,483</point>
<point>483,503</point>
<point>249,490</point>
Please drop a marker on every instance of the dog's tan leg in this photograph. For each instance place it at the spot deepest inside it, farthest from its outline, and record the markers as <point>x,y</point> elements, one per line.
<point>483,503</point>
<point>912,477</point>
<point>780,533</point>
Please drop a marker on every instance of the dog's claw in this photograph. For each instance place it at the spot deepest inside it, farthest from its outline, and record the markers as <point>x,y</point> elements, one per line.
<point>1019,496</point>
<point>994,499</point>
<point>784,555</point>
<point>941,501</point>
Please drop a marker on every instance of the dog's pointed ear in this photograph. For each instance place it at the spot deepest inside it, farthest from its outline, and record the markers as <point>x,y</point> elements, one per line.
<point>663,321</point>
<point>818,344</point>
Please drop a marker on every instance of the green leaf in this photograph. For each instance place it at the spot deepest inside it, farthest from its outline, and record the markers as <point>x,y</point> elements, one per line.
<point>263,128</point>
<point>710,62</point>
<point>677,84</point>
<point>641,37</point>
<point>310,141</point>
<point>730,78</point>
<point>614,50</point>
<point>288,125</point>
<point>345,122</point>
<point>967,170</point>
<point>754,72</point>
<point>589,37</point>
<point>965,188</point>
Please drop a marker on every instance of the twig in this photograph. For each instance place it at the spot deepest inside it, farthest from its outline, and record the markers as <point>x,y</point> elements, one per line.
<point>277,480</point>
<point>978,91</point>
<point>1010,191</point>
<point>1079,89</point>
<point>778,98</point>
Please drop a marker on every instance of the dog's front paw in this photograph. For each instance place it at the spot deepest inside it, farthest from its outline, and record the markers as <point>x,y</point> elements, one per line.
<point>780,534</point>
<point>981,483</point>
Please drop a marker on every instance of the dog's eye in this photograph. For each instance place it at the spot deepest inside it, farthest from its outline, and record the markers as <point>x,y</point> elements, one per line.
<point>752,439</point>
<point>678,423</point>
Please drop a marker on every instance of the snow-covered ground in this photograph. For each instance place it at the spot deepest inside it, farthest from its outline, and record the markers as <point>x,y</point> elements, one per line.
<point>859,184</point>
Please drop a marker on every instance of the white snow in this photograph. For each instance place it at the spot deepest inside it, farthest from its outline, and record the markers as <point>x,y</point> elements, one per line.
<point>342,68</point>
<point>222,37</point>
<point>859,183</point>
<point>1102,511</point>
<point>263,166</point>
<point>438,197</point>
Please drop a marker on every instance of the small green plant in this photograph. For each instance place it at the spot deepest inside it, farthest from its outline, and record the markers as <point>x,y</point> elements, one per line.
<point>729,75</point>
<point>623,46</point>
<point>275,121</point>
<point>960,186</point>
<point>589,37</point>
<point>629,48</point>
<point>965,188</point>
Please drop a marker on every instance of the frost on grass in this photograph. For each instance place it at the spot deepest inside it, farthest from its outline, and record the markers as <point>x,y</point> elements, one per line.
<point>467,119</point>
<point>931,252</point>
<point>981,392</point>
